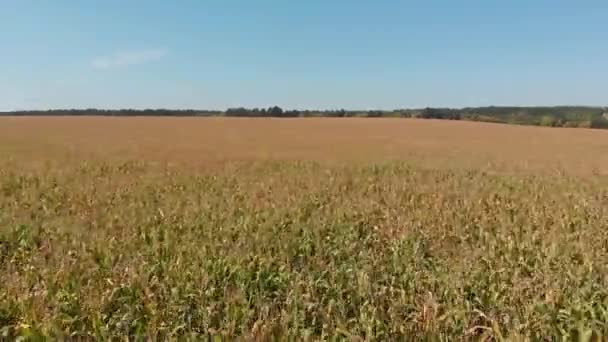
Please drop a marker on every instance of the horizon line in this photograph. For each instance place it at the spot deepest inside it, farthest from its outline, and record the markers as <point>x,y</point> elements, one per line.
<point>140,109</point>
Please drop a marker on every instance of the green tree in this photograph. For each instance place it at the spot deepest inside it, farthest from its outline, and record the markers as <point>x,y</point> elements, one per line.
<point>275,111</point>
<point>548,121</point>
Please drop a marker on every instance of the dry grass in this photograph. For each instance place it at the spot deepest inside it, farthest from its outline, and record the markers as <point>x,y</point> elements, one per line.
<point>200,142</point>
<point>301,229</point>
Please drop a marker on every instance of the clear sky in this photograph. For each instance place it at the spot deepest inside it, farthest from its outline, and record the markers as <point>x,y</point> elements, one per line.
<point>302,54</point>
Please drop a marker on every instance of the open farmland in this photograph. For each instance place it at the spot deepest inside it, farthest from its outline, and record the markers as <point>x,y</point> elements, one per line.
<point>214,141</point>
<point>301,228</point>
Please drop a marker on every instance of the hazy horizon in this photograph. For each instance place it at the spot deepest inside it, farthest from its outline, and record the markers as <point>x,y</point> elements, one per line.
<point>299,109</point>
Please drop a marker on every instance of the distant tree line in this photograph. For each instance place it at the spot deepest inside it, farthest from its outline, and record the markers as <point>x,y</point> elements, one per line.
<point>114,112</point>
<point>561,116</point>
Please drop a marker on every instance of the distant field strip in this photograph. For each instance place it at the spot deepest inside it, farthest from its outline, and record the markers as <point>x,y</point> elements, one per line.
<point>205,141</point>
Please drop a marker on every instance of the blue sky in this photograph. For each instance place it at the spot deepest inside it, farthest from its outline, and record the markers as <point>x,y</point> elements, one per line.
<point>302,54</point>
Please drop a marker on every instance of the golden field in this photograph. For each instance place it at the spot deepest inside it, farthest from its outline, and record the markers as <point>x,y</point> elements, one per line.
<point>204,141</point>
<point>289,229</point>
